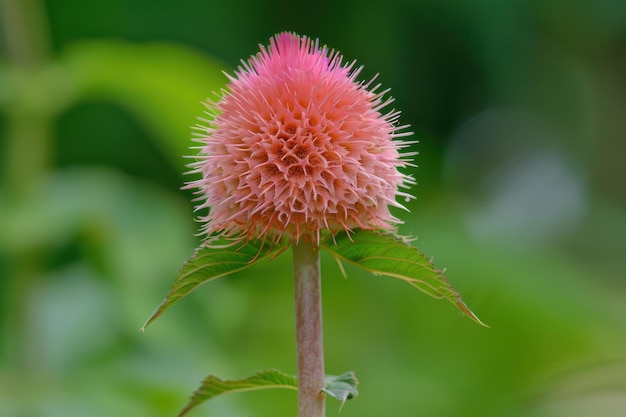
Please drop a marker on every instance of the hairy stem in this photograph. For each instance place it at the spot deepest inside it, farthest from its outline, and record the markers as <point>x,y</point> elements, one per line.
<point>309,340</point>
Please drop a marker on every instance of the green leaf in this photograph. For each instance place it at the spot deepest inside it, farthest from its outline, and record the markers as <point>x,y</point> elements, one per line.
<point>342,387</point>
<point>213,261</point>
<point>383,254</point>
<point>162,84</point>
<point>213,386</point>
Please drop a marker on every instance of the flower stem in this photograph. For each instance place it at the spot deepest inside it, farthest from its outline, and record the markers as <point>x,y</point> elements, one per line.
<point>309,340</point>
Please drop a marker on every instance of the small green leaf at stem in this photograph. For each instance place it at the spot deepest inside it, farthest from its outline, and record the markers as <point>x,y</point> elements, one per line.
<point>213,386</point>
<point>342,387</point>
<point>384,254</point>
<point>210,262</point>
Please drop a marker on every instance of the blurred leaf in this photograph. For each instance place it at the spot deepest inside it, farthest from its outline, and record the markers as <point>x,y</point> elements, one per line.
<point>213,386</point>
<point>342,387</point>
<point>163,84</point>
<point>383,254</point>
<point>213,261</point>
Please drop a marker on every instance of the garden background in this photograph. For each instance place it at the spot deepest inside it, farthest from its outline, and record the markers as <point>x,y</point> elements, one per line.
<point>519,107</point>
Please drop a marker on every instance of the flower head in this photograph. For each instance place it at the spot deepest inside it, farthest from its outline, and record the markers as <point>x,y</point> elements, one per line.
<point>297,148</point>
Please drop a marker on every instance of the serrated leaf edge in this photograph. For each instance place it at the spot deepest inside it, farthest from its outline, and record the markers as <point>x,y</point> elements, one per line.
<point>262,375</point>
<point>455,298</point>
<point>167,301</point>
<point>196,398</point>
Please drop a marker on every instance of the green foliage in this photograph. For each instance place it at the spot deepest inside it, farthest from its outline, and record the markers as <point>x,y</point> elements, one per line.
<point>376,252</point>
<point>213,386</point>
<point>341,387</point>
<point>386,255</point>
<point>212,261</point>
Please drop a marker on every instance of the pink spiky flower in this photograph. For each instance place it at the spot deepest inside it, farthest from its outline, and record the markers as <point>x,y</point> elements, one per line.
<point>297,148</point>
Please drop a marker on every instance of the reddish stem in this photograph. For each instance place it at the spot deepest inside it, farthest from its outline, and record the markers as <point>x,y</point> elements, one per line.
<point>309,340</point>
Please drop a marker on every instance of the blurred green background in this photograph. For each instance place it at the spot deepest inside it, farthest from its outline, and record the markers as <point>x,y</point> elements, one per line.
<point>519,107</point>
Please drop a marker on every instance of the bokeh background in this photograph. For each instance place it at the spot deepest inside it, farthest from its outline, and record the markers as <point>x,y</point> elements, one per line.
<point>520,110</point>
